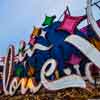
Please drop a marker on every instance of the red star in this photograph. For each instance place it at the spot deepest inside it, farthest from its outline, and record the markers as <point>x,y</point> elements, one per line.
<point>70,23</point>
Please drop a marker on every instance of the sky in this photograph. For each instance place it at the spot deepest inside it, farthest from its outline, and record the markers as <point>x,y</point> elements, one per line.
<point>17,17</point>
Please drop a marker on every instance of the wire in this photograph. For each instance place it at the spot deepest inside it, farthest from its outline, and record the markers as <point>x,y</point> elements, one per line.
<point>67,9</point>
<point>95,3</point>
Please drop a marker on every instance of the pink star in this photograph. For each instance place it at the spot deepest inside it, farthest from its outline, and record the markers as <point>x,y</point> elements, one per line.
<point>70,23</point>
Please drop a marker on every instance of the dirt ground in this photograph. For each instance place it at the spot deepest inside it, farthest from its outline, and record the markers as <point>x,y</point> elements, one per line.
<point>66,94</point>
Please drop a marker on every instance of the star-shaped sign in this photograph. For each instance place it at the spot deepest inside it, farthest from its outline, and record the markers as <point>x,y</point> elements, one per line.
<point>70,23</point>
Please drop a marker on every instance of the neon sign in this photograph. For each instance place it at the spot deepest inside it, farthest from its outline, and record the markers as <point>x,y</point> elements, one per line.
<point>11,84</point>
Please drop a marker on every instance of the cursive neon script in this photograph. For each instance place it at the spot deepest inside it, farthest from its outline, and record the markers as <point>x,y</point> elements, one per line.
<point>12,84</point>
